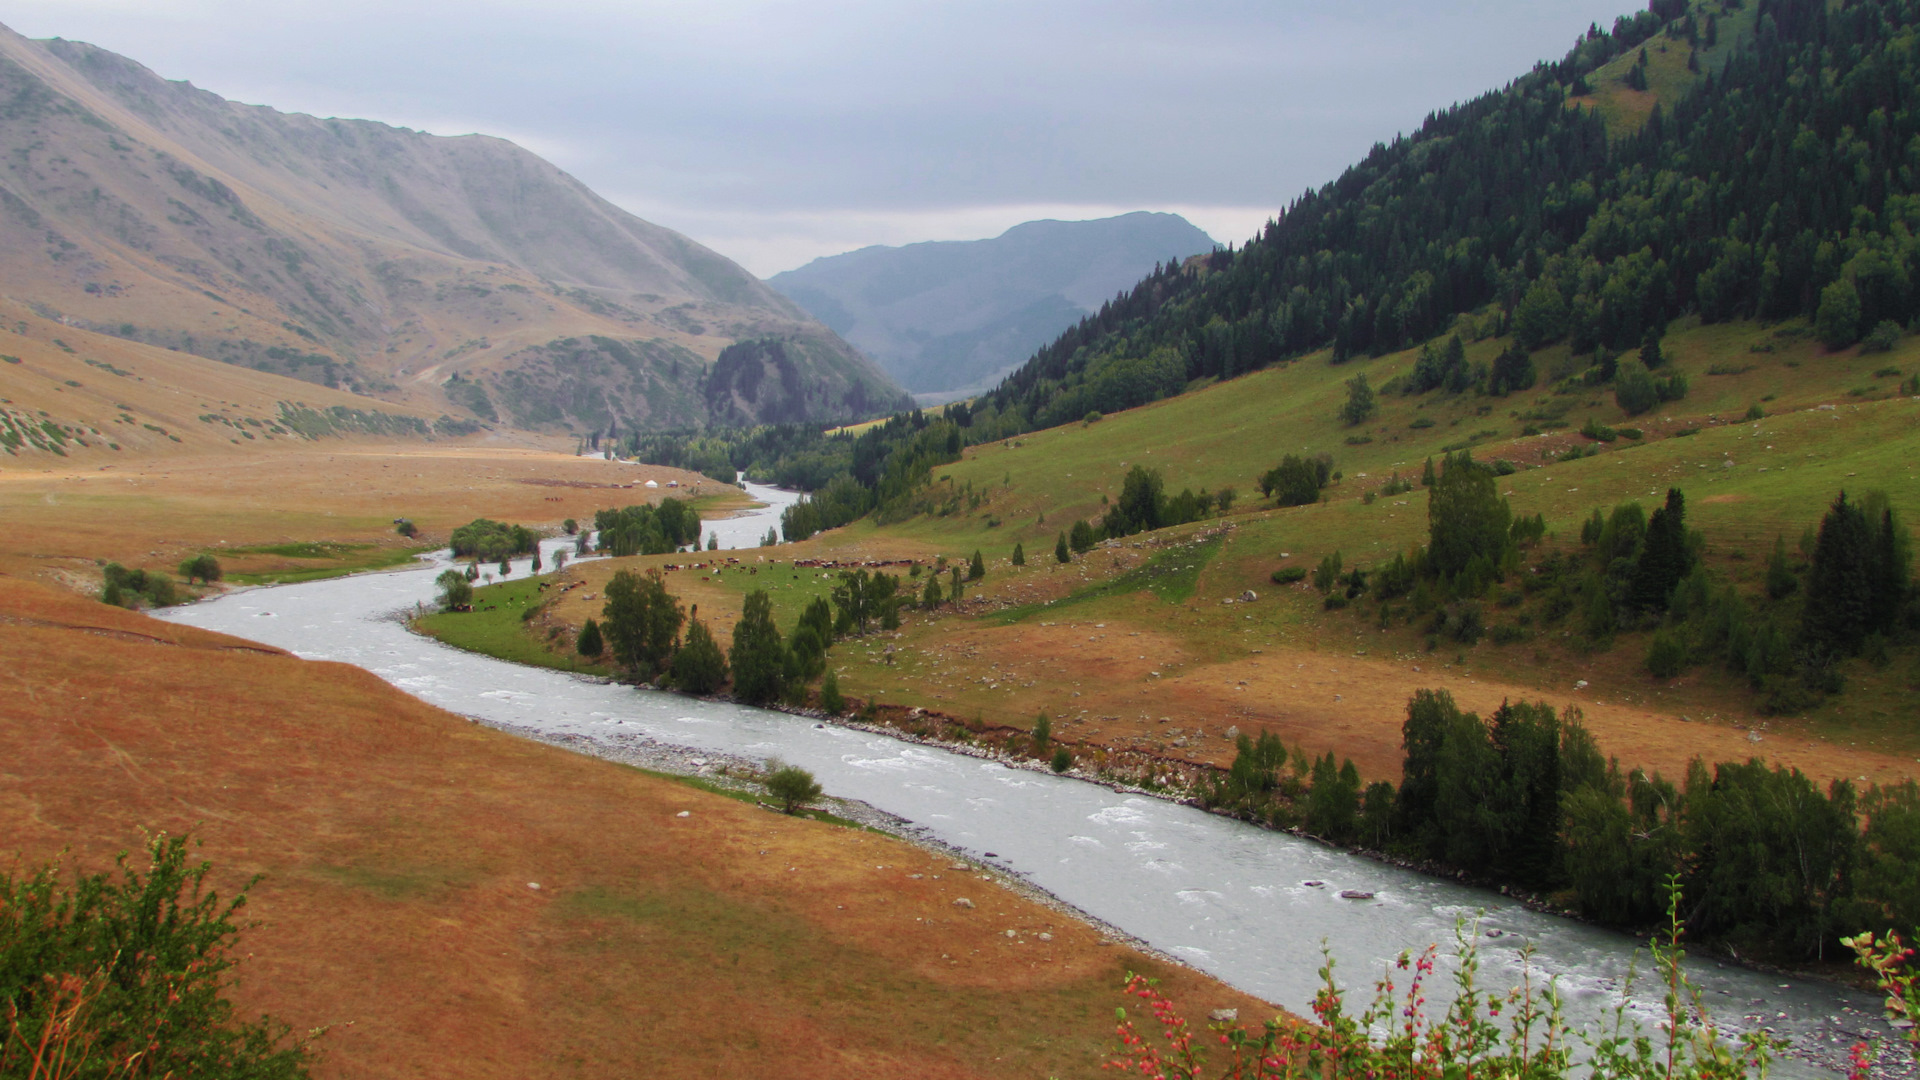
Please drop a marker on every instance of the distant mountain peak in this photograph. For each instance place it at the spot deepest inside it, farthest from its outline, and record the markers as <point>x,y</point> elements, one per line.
<point>946,315</point>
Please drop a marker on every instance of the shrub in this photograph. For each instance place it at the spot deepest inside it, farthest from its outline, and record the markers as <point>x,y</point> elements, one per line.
<point>406,528</point>
<point>1666,656</point>
<point>792,787</point>
<point>128,977</point>
<point>1289,575</point>
<point>1882,338</point>
<point>1062,759</point>
<point>1042,733</point>
<point>202,566</point>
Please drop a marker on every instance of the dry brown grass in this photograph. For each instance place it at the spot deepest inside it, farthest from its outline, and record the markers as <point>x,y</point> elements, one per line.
<point>398,843</point>
<point>154,511</point>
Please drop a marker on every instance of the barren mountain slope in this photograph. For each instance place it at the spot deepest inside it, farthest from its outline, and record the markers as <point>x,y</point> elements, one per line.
<point>373,258</point>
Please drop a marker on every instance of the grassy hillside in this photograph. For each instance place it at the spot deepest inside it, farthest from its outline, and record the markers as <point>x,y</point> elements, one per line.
<point>446,898</point>
<point>1135,645</point>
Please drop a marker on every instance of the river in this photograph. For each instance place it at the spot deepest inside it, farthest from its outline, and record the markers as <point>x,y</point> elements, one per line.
<point>1228,898</point>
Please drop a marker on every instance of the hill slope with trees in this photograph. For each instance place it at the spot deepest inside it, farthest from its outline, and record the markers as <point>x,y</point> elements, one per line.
<point>1765,173</point>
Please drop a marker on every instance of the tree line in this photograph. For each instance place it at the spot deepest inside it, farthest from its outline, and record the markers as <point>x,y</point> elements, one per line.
<point>1768,860</point>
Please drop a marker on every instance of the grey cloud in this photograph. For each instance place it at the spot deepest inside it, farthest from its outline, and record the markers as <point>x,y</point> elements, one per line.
<point>718,114</point>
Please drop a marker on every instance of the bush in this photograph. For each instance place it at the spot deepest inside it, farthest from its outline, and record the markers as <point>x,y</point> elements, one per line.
<point>489,540</point>
<point>128,588</point>
<point>1062,759</point>
<point>406,528</point>
<point>128,977</point>
<point>792,787</point>
<point>1289,575</point>
<point>1882,338</point>
<point>1042,733</point>
<point>204,567</point>
<point>1667,656</point>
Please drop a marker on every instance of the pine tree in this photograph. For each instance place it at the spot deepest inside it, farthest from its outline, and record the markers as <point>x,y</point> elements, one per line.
<point>758,657</point>
<point>1361,403</point>
<point>1664,558</point>
<point>699,667</point>
<point>590,645</point>
<point>976,569</point>
<point>1426,474</point>
<point>1019,555</point>
<point>1060,553</point>
<point>1042,734</point>
<point>831,700</point>
<point>931,597</point>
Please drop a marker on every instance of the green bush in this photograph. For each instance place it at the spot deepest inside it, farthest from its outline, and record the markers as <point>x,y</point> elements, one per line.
<point>125,974</point>
<point>1666,656</point>
<point>792,787</point>
<point>1289,575</point>
<point>1062,759</point>
<point>590,644</point>
<point>1882,338</point>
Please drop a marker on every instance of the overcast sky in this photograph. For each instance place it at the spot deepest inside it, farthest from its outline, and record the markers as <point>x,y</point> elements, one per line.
<point>779,132</point>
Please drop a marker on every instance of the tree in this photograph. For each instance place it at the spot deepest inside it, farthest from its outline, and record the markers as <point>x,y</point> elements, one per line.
<point>1062,759</point>
<point>590,644</point>
<point>1333,802</point>
<point>535,567</point>
<point>1634,389</point>
<point>202,566</point>
<point>1837,321</point>
<point>559,559</point>
<point>699,667</point>
<point>792,787</point>
<point>1512,370</point>
<point>456,592</point>
<point>758,656</point>
<point>406,528</point>
<point>1081,538</point>
<point>1360,405</point>
<point>1466,517</point>
<point>932,597</point>
<point>831,700</point>
<point>1042,733</point>
<point>976,569</point>
<point>570,526</point>
<point>1650,353</point>
<point>861,599</point>
<point>1297,481</point>
<point>641,621</point>
<point>713,541</point>
<point>506,566</point>
<point>1019,555</point>
<point>1664,556</point>
<point>1060,553</point>
<point>1541,318</point>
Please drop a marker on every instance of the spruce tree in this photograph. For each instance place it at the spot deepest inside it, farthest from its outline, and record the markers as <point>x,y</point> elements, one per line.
<point>1664,558</point>
<point>590,645</point>
<point>758,657</point>
<point>976,569</point>
<point>931,597</point>
<point>1019,555</point>
<point>831,700</point>
<point>1060,553</point>
<point>1840,582</point>
<point>699,667</point>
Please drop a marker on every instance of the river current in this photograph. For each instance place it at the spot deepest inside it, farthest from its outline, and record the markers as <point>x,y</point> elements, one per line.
<point>1225,897</point>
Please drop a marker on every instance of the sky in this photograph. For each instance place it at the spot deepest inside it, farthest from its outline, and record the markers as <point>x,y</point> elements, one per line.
<point>779,132</point>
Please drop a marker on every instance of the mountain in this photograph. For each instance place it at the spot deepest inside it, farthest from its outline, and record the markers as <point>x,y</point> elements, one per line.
<point>950,315</point>
<point>1708,161</point>
<point>460,274</point>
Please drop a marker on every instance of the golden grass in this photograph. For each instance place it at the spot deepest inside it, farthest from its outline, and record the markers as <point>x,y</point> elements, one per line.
<point>398,844</point>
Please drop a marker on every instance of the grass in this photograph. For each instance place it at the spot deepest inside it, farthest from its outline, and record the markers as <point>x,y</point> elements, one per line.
<point>497,627</point>
<point>348,559</point>
<point>448,897</point>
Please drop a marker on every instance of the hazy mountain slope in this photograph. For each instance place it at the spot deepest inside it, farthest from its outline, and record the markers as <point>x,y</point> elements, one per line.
<point>951,314</point>
<point>359,255</point>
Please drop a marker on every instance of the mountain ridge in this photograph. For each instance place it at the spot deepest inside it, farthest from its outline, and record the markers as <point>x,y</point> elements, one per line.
<point>946,314</point>
<point>364,256</point>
